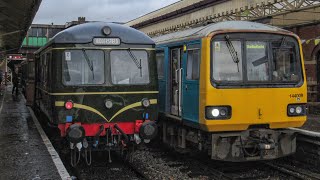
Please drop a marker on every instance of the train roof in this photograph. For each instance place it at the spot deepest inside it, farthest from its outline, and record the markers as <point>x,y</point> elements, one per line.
<point>203,31</point>
<point>84,33</point>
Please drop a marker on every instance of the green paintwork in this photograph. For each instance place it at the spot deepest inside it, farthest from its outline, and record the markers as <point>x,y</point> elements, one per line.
<point>46,93</point>
<point>35,41</point>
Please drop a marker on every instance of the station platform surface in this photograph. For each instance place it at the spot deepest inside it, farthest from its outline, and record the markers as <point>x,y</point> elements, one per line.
<point>23,153</point>
<point>312,123</point>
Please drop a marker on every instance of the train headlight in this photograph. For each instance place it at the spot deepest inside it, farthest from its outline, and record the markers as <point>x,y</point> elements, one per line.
<point>145,102</point>
<point>68,105</point>
<point>297,110</point>
<point>215,112</point>
<point>106,30</point>
<point>108,103</point>
<point>218,112</point>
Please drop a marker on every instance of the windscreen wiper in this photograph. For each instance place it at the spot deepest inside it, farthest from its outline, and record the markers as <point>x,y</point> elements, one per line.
<point>283,42</point>
<point>135,60</point>
<point>89,62</point>
<point>233,52</point>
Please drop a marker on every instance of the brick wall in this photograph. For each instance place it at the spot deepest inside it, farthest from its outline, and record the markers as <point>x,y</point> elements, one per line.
<point>305,33</point>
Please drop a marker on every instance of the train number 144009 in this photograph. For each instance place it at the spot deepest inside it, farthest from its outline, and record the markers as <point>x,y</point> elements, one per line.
<point>296,95</point>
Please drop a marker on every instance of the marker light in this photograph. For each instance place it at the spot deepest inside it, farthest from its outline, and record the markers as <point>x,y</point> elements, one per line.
<point>108,104</point>
<point>223,112</point>
<point>292,110</point>
<point>215,112</point>
<point>68,105</point>
<point>145,102</point>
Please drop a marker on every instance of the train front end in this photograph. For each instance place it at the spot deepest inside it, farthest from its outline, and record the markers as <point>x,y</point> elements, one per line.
<point>105,95</point>
<point>253,87</point>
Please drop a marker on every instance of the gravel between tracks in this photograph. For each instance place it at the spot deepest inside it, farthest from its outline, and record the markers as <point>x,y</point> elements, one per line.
<point>155,167</point>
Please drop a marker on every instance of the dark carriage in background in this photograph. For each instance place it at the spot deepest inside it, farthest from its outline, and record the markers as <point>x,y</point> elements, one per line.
<point>27,80</point>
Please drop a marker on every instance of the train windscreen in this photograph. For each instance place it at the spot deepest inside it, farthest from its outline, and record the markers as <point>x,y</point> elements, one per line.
<point>129,67</point>
<point>83,67</point>
<point>251,61</point>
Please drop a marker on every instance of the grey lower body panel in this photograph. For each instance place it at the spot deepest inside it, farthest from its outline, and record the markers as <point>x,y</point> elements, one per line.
<point>253,144</point>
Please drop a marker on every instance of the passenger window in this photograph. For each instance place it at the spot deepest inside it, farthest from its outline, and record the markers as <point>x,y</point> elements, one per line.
<point>193,63</point>
<point>160,64</point>
<point>42,70</point>
<point>47,62</point>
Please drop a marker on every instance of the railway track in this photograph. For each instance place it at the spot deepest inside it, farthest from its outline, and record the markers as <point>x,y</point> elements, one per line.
<point>308,148</point>
<point>158,162</point>
<point>162,163</point>
<point>171,165</point>
<point>101,169</point>
<point>296,172</point>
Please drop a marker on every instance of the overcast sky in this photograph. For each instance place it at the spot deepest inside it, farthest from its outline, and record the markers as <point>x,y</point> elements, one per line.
<point>62,11</point>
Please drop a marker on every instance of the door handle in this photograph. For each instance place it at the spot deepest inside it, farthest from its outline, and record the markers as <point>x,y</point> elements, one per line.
<point>186,87</point>
<point>176,73</point>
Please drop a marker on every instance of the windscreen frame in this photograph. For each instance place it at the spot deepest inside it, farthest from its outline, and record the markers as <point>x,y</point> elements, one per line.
<point>254,36</point>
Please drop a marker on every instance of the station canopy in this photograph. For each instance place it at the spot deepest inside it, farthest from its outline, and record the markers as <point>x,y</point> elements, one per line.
<point>16,17</point>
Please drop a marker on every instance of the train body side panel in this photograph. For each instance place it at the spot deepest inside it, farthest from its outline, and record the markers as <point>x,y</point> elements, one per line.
<point>163,81</point>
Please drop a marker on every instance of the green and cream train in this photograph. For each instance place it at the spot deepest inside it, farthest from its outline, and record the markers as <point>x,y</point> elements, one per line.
<point>97,83</point>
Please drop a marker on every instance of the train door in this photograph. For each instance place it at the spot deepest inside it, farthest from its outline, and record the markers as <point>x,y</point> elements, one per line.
<point>176,81</point>
<point>190,85</point>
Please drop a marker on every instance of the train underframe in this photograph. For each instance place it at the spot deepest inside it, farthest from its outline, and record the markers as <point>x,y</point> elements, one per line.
<point>121,137</point>
<point>249,145</point>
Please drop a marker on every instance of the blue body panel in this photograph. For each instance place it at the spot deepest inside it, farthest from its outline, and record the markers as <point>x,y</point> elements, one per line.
<point>190,88</point>
<point>163,83</point>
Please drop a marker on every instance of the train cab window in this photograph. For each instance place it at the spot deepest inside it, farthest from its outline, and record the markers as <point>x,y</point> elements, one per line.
<point>193,63</point>
<point>129,67</point>
<point>257,61</point>
<point>269,60</point>
<point>227,64</point>
<point>83,67</point>
<point>285,65</point>
<point>160,64</point>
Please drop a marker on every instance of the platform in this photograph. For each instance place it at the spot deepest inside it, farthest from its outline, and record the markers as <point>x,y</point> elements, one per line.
<point>23,153</point>
<point>312,124</point>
